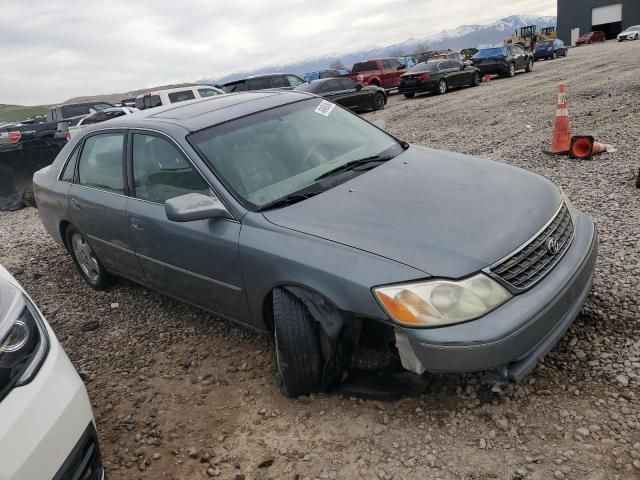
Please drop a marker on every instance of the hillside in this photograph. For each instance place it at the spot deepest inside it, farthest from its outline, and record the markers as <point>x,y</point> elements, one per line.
<point>11,113</point>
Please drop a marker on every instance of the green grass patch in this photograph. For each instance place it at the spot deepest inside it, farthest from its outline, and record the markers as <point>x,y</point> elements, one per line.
<point>12,113</point>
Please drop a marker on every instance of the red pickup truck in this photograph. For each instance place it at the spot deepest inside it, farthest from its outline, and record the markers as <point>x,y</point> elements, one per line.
<point>383,73</point>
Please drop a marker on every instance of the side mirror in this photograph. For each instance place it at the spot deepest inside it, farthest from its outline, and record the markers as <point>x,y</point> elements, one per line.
<point>358,87</point>
<point>194,206</point>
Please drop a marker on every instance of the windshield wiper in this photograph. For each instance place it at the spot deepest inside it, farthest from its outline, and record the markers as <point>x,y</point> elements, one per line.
<point>288,200</point>
<point>354,164</point>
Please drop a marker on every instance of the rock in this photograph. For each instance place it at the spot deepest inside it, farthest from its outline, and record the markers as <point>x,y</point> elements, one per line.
<point>502,424</point>
<point>193,452</point>
<point>622,380</point>
<point>558,475</point>
<point>482,443</point>
<point>583,432</point>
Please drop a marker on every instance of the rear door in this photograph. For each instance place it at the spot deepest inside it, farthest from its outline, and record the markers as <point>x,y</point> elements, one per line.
<point>98,202</point>
<point>358,98</point>
<point>197,261</point>
<point>519,56</point>
<point>332,90</point>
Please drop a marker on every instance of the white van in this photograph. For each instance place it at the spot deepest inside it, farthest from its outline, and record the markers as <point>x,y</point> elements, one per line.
<point>175,95</point>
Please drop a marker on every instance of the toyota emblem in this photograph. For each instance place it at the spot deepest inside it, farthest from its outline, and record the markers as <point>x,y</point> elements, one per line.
<point>552,246</point>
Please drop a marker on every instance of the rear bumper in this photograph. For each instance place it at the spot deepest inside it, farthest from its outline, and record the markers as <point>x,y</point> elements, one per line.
<point>517,335</point>
<point>538,56</point>
<point>423,87</point>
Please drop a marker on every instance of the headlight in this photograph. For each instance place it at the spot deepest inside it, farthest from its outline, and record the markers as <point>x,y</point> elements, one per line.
<point>441,302</point>
<point>23,345</point>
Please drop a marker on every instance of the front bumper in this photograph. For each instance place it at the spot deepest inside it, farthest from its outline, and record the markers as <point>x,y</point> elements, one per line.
<point>517,335</point>
<point>42,423</point>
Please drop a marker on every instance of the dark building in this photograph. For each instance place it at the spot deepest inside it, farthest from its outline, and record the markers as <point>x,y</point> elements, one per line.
<point>577,17</point>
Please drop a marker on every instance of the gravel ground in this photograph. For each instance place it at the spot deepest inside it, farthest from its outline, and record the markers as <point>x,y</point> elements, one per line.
<point>180,394</point>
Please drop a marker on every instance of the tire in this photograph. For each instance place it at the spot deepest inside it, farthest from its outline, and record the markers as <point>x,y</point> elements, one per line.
<point>409,95</point>
<point>297,345</point>
<point>442,87</point>
<point>554,56</point>
<point>636,37</point>
<point>378,101</point>
<point>512,71</point>
<point>87,263</point>
<point>529,67</point>
<point>476,80</point>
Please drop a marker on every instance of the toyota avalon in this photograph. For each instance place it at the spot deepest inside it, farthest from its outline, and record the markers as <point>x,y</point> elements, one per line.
<point>288,214</point>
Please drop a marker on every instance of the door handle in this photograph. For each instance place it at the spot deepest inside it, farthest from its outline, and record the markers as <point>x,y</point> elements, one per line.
<point>137,224</point>
<point>75,204</point>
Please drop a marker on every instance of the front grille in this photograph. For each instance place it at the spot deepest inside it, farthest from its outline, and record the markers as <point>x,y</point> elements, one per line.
<point>533,261</point>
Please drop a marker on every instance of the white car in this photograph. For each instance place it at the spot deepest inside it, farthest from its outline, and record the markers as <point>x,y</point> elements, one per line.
<point>631,33</point>
<point>99,117</point>
<point>47,429</point>
<point>174,95</point>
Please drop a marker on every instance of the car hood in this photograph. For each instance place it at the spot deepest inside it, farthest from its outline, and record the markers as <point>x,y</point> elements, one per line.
<point>446,214</point>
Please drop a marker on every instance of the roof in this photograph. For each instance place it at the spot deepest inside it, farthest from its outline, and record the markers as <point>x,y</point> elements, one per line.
<point>174,89</point>
<point>201,113</point>
<point>261,75</point>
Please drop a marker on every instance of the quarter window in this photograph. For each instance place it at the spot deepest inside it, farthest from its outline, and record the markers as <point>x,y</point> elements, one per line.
<point>70,169</point>
<point>160,172</point>
<point>208,92</point>
<point>100,164</point>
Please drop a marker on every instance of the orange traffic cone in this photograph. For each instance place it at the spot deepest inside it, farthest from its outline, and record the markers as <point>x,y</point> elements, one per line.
<point>561,140</point>
<point>584,147</point>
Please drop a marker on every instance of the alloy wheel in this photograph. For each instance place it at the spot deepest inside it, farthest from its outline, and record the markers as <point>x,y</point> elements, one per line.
<point>85,257</point>
<point>442,87</point>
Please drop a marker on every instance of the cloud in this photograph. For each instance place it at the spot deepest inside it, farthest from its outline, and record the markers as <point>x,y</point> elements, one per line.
<point>56,49</point>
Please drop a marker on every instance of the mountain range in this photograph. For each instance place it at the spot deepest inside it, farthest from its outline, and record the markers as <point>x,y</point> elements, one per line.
<point>461,37</point>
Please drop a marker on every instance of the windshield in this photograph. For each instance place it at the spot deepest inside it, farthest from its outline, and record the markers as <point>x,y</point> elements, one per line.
<point>426,67</point>
<point>491,52</point>
<point>275,153</point>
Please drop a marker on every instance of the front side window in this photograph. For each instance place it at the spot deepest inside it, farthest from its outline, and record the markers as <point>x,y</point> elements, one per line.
<point>280,81</point>
<point>294,81</point>
<point>160,172</point>
<point>260,83</point>
<point>275,153</point>
<point>100,164</point>
<point>182,96</point>
<point>208,92</point>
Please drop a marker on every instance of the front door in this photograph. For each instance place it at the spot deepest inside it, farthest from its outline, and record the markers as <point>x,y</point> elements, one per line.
<point>197,261</point>
<point>98,203</point>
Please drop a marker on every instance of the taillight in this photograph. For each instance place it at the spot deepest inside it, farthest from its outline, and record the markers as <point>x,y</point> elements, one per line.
<point>14,137</point>
<point>425,76</point>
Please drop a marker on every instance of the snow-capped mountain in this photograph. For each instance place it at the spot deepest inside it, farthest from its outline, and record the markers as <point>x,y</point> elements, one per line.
<point>461,37</point>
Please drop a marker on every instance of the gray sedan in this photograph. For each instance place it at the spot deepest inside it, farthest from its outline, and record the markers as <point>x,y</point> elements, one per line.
<point>295,217</point>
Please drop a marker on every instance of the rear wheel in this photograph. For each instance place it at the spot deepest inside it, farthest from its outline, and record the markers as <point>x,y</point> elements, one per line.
<point>297,345</point>
<point>529,67</point>
<point>442,87</point>
<point>409,95</point>
<point>512,71</point>
<point>378,101</point>
<point>554,56</point>
<point>90,268</point>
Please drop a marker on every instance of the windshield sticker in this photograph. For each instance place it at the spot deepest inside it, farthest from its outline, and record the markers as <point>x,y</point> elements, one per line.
<point>325,108</point>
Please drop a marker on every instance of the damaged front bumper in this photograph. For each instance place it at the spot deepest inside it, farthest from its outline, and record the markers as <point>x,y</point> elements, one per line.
<point>517,335</point>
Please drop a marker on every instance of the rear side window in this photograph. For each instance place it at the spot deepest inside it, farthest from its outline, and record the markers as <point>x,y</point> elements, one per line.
<point>100,164</point>
<point>346,84</point>
<point>160,172</point>
<point>259,83</point>
<point>279,81</point>
<point>364,67</point>
<point>181,96</point>
<point>331,86</point>
<point>70,169</point>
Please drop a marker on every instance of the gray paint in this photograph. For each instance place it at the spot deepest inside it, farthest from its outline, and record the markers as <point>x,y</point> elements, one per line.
<point>577,14</point>
<point>424,213</point>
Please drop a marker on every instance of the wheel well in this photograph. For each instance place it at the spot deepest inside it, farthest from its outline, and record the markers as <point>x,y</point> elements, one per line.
<point>63,233</point>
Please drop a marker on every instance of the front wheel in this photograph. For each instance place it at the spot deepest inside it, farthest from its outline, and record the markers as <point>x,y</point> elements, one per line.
<point>409,95</point>
<point>476,80</point>
<point>90,268</point>
<point>554,56</point>
<point>529,67</point>
<point>297,345</point>
<point>512,71</point>
<point>378,101</point>
<point>442,87</point>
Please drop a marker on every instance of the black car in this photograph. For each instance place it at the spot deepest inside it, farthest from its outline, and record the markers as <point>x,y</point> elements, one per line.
<point>282,81</point>
<point>503,60</point>
<point>347,93</point>
<point>438,76</point>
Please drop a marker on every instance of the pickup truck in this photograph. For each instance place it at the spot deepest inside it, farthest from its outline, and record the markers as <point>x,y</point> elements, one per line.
<point>383,73</point>
<point>28,146</point>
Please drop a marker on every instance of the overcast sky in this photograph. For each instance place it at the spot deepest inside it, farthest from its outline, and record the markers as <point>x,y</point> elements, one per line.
<point>56,49</point>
